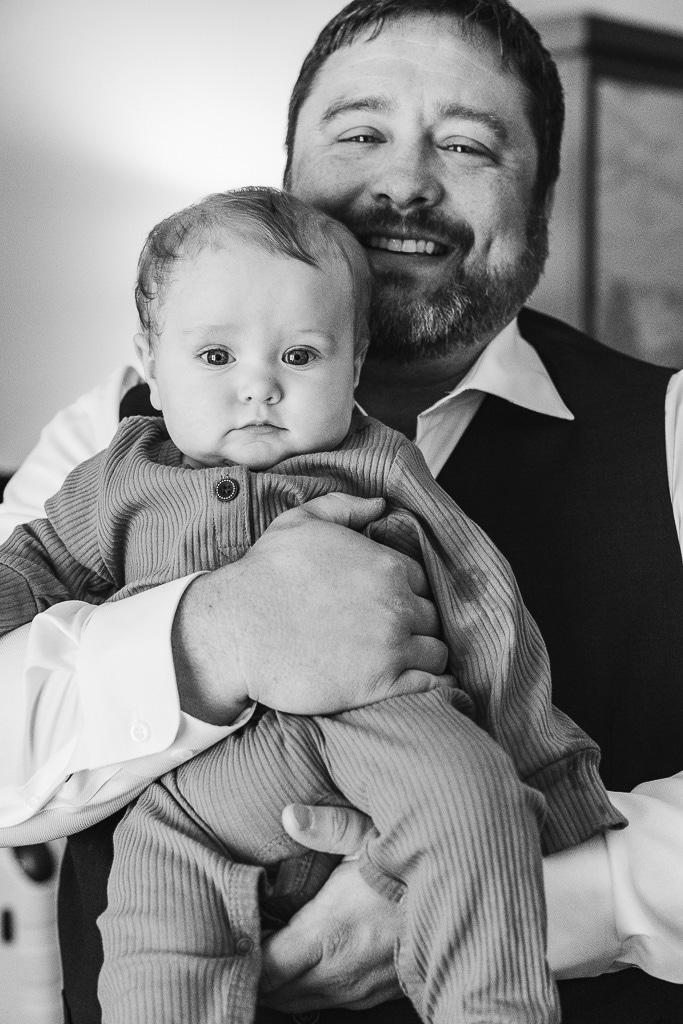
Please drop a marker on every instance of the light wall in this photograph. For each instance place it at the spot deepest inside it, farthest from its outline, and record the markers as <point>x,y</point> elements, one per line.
<point>113,114</point>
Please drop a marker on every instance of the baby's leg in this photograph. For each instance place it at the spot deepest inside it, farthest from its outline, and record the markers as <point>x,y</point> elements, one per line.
<point>459,847</point>
<point>181,932</point>
<point>458,836</point>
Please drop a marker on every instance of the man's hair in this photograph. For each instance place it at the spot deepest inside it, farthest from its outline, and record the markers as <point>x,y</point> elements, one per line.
<point>265,218</point>
<point>518,42</point>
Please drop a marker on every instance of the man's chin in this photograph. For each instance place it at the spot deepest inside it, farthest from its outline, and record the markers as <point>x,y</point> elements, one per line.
<point>405,330</point>
<point>412,271</point>
<point>410,322</point>
<point>412,284</point>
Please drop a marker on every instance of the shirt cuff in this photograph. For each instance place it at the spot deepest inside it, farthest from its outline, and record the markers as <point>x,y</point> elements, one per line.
<point>582,934</point>
<point>645,863</point>
<point>127,684</point>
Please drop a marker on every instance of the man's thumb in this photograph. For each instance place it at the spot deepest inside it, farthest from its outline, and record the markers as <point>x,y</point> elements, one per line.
<point>339,830</point>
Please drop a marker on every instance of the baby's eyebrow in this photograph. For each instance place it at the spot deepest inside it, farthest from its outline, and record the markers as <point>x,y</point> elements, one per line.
<point>206,330</point>
<point>311,336</point>
<point>362,104</point>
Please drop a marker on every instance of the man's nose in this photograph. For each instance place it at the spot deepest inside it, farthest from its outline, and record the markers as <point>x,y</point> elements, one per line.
<point>260,388</point>
<point>409,176</point>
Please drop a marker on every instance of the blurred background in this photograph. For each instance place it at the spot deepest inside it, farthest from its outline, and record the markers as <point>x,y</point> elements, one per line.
<point>113,114</point>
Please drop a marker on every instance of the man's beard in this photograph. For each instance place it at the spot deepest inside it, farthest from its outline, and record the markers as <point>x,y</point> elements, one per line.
<point>472,306</point>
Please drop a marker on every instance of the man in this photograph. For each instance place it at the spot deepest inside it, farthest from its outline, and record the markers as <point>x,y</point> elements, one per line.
<point>432,129</point>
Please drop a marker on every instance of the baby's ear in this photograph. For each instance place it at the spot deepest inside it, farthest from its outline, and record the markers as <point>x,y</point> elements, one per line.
<point>146,355</point>
<point>357,367</point>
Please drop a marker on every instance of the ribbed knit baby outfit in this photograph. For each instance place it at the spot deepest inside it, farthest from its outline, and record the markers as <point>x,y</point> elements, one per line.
<point>466,784</point>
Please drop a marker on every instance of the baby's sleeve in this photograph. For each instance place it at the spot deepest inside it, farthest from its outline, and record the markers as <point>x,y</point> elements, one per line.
<point>496,652</point>
<point>56,558</point>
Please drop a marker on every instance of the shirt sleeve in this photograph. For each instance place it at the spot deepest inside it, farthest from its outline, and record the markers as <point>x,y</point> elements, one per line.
<point>90,703</point>
<point>618,900</point>
<point>93,691</point>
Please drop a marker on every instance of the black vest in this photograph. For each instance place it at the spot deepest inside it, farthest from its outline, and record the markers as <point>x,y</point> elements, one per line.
<point>582,511</point>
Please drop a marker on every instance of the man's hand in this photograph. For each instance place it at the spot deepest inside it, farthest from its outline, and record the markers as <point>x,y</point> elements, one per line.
<point>338,950</point>
<point>315,619</point>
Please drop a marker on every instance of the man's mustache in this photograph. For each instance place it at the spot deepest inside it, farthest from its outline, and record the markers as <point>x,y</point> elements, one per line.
<point>428,224</point>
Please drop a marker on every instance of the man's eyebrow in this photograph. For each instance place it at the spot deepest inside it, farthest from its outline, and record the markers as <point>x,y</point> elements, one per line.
<point>487,118</point>
<point>371,104</point>
<point>444,111</point>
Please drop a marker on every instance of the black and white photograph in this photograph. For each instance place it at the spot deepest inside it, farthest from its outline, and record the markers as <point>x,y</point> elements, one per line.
<point>341,512</point>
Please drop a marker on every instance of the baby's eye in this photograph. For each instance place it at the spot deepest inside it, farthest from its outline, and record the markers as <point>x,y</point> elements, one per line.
<point>217,357</point>
<point>297,356</point>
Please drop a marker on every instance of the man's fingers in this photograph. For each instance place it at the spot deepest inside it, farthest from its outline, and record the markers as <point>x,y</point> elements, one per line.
<point>338,950</point>
<point>426,620</point>
<point>415,576</point>
<point>288,954</point>
<point>343,509</point>
<point>303,993</point>
<point>427,654</point>
<point>339,830</point>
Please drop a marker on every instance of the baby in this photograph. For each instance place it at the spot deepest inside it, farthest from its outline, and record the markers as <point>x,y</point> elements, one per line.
<point>253,309</point>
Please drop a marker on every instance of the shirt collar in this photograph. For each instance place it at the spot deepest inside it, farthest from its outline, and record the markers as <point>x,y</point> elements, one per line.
<point>510,368</point>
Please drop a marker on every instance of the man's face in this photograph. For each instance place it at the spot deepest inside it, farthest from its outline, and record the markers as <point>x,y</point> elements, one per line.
<point>255,359</point>
<point>420,142</point>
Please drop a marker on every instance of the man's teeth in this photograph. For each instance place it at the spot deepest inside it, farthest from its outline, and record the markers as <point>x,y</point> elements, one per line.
<point>410,245</point>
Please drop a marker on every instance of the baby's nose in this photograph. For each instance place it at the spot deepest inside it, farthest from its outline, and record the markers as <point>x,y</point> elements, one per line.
<point>262,390</point>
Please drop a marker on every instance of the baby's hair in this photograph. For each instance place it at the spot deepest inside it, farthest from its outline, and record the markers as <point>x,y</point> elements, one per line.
<point>263,217</point>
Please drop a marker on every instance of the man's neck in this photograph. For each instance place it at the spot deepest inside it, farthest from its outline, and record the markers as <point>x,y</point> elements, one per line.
<point>397,394</point>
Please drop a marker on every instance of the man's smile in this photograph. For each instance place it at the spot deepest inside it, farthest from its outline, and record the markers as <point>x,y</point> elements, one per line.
<point>421,246</point>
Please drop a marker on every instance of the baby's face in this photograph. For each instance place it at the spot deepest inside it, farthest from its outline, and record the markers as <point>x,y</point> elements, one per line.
<point>255,361</point>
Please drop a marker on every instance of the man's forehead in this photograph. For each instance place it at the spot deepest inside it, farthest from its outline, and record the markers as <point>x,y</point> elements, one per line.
<point>465,53</point>
<point>366,73</point>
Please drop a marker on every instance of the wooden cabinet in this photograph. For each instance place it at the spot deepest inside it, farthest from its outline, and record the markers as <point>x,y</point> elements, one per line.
<point>616,264</point>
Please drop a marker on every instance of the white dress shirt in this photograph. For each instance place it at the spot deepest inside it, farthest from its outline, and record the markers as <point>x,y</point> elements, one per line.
<point>91,714</point>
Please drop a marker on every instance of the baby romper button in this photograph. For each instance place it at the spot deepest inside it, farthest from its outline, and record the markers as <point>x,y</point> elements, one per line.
<point>227,489</point>
<point>140,732</point>
<point>310,1017</point>
<point>244,945</point>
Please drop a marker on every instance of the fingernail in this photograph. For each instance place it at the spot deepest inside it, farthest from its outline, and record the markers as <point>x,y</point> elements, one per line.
<point>303,816</point>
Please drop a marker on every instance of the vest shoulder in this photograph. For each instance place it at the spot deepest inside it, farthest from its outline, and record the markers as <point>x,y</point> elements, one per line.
<point>566,347</point>
<point>137,402</point>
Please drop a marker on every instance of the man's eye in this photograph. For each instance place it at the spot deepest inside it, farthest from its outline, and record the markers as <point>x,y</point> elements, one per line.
<point>217,357</point>
<point>297,356</point>
<point>466,148</point>
<point>361,135</point>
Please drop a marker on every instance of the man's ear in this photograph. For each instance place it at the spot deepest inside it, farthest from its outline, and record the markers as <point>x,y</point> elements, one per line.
<point>146,355</point>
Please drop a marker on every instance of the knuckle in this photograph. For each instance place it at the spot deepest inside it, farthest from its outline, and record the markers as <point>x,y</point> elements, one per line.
<point>342,825</point>
<point>352,828</point>
<point>336,947</point>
